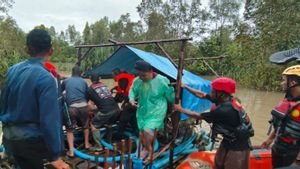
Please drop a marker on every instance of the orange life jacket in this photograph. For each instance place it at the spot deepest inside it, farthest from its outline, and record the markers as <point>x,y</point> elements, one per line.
<point>286,117</point>
<point>128,79</point>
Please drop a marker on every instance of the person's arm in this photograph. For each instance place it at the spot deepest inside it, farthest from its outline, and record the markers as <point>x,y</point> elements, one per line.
<point>169,92</point>
<point>2,100</point>
<point>63,86</point>
<point>269,141</point>
<point>86,91</point>
<point>113,89</point>
<point>195,92</point>
<point>177,107</point>
<point>133,93</point>
<point>50,117</point>
<point>92,95</point>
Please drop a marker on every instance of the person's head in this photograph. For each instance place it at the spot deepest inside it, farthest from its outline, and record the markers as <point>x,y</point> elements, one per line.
<point>291,81</point>
<point>222,88</point>
<point>116,72</point>
<point>95,78</point>
<point>38,44</point>
<point>76,71</point>
<point>144,70</point>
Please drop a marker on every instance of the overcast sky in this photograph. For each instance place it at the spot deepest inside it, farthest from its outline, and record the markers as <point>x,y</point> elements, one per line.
<point>61,13</point>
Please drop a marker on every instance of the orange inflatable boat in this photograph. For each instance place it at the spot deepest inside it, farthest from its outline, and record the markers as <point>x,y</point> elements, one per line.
<point>259,159</point>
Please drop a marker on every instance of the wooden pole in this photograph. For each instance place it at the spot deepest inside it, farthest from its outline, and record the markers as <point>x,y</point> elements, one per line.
<point>106,165</point>
<point>180,71</point>
<point>167,55</point>
<point>114,42</point>
<point>211,68</point>
<point>176,115</point>
<point>96,154</point>
<point>203,58</point>
<point>88,163</point>
<point>79,56</point>
<point>129,153</point>
<point>134,43</point>
<point>122,153</point>
<point>84,55</point>
<point>114,165</point>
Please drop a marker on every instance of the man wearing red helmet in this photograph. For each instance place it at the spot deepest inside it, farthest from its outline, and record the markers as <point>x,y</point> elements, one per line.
<point>230,120</point>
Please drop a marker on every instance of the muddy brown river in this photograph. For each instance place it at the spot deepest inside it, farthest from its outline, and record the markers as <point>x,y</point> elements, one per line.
<point>258,105</point>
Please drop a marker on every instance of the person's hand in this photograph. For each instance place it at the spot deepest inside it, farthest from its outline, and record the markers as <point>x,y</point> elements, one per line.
<point>113,90</point>
<point>60,164</point>
<point>201,94</point>
<point>133,103</point>
<point>267,143</point>
<point>183,85</point>
<point>177,107</point>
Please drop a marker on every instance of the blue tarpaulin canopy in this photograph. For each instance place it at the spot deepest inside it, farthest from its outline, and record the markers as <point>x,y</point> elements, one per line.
<point>125,58</point>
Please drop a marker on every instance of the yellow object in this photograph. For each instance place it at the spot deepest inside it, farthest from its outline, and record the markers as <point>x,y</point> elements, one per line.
<point>295,113</point>
<point>293,70</point>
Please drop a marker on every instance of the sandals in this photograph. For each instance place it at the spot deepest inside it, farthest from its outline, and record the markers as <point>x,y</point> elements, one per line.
<point>94,148</point>
<point>69,155</point>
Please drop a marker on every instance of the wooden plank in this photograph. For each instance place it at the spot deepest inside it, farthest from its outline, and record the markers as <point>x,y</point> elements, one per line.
<point>134,43</point>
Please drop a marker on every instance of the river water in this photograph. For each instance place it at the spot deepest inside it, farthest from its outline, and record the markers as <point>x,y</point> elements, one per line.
<point>258,105</point>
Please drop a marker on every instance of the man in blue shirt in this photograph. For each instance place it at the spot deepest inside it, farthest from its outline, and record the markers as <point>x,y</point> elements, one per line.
<point>77,99</point>
<point>30,112</point>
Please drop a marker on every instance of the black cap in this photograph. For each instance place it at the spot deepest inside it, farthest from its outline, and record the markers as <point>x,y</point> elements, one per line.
<point>143,66</point>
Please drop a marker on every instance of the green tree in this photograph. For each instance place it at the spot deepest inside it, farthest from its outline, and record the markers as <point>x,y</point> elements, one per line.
<point>5,5</point>
<point>11,45</point>
<point>99,34</point>
<point>73,36</point>
<point>87,34</point>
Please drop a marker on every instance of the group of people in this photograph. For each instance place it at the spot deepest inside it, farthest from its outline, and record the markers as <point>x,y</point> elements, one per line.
<point>229,120</point>
<point>32,106</point>
<point>35,105</point>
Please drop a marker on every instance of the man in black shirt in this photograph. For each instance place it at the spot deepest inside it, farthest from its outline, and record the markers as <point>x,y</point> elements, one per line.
<point>227,117</point>
<point>108,109</point>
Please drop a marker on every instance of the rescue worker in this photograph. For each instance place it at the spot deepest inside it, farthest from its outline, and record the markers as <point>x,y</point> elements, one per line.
<point>286,121</point>
<point>77,100</point>
<point>123,81</point>
<point>108,109</point>
<point>30,112</point>
<point>229,120</point>
<point>154,94</point>
<point>128,114</point>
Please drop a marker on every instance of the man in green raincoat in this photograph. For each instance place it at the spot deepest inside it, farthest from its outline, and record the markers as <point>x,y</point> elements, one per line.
<point>153,93</point>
